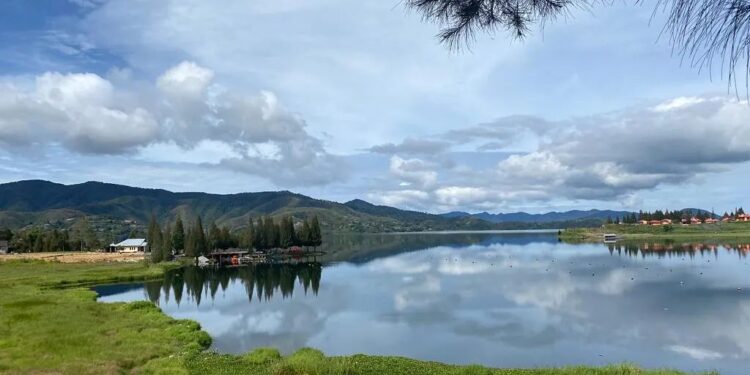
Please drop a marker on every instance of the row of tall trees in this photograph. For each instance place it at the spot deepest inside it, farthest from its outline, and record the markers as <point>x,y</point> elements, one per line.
<point>263,234</point>
<point>268,234</point>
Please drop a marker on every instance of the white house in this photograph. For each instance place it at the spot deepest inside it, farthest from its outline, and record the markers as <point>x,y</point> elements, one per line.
<point>131,245</point>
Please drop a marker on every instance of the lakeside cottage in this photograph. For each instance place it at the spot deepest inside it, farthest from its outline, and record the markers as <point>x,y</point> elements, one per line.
<point>131,245</point>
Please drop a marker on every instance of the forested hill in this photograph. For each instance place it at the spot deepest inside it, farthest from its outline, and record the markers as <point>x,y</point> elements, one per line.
<point>35,202</point>
<point>549,217</point>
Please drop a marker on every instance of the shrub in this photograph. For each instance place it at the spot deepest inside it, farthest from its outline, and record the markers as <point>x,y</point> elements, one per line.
<point>263,355</point>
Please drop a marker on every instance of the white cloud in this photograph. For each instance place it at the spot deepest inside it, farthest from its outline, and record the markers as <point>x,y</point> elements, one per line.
<point>413,171</point>
<point>400,198</point>
<point>600,157</point>
<point>696,353</point>
<point>457,196</point>
<point>185,79</point>
<point>89,114</point>
<point>77,110</point>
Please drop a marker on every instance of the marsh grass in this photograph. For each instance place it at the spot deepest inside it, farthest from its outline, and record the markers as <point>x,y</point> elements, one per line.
<point>45,325</point>
<point>312,362</point>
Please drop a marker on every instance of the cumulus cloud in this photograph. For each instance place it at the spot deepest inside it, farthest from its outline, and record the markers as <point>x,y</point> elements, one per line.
<point>413,172</point>
<point>606,157</point>
<point>457,196</point>
<point>79,111</point>
<point>88,114</point>
<point>611,155</point>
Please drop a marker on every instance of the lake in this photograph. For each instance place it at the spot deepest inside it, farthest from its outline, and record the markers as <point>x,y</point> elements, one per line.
<point>496,299</point>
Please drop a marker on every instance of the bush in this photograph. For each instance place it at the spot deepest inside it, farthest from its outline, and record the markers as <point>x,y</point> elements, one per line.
<point>305,361</point>
<point>263,355</point>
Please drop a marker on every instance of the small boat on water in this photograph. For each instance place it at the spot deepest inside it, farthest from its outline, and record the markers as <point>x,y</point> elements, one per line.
<point>610,238</point>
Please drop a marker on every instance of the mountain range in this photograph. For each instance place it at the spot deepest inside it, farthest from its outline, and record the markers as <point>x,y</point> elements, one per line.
<point>118,208</point>
<point>111,207</point>
<point>549,217</point>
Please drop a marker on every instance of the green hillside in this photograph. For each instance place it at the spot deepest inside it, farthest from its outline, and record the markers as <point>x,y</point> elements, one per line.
<point>118,209</point>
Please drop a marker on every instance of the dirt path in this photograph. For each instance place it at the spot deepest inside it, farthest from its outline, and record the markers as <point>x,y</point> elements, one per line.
<point>75,257</point>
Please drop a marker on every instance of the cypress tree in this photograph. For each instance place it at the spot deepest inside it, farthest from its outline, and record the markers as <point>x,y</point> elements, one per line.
<point>214,237</point>
<point>178,235</point>
<point>247,239</point>
<point>260,235</point>
<point>290,230</point>
<point>201,247</point>
<point>304,234</point>
<point>190,250</point>
<point>166,244</point>
<point>226,239</point>
<point>286,232</point>
<point>152,228</point>
<point>155,243</point>
<point>316,237</point>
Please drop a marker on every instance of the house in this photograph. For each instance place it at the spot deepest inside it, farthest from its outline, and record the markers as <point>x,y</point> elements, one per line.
<point>643,222</point>
<point>655,222</point>
<point>726,219</point>
<point>743,218</point>
<point>666,222</point>
<point>4,247</point>
<point>711,220</point>
<point>131,245</point>
<point>695,220</point>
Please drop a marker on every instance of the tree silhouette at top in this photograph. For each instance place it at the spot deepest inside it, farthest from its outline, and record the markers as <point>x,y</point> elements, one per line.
<point>701,31</point>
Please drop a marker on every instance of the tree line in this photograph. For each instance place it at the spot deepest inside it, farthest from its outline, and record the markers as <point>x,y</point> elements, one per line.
<point>80,237</point>
<point>263,234</point>
<point>164,242</point>
<point>676,215</point>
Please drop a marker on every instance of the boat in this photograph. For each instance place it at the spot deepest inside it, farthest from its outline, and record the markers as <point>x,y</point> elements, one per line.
<point>610,238</point>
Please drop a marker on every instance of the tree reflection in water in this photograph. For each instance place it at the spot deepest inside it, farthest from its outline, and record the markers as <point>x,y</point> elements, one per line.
<point>668,249</point>
<point>261,281</point>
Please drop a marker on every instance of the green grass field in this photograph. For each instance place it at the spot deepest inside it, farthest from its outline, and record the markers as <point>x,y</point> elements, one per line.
<point>703,232</point>
<point>50,322</point>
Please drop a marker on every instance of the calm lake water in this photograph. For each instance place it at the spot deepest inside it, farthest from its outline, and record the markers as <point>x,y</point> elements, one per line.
<point>497,299</point>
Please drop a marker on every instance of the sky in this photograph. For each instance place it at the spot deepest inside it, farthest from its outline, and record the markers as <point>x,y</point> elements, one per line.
<point>341,100</point>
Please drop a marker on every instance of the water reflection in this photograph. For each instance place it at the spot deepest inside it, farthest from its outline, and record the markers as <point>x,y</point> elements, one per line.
<point>261,281</point>
<point>670,249</point>
<point>522,300</point>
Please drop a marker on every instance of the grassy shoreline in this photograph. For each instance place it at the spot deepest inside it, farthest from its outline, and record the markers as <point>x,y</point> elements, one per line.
<point>51,323</point>
<point>703,232</point>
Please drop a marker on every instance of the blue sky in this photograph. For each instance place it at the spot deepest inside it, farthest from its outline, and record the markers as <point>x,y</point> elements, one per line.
<point>343,100</point>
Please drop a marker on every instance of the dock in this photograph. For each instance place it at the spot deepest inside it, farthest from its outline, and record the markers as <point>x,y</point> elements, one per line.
<point>237,257</point>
